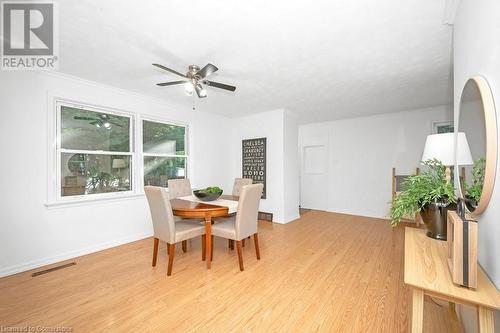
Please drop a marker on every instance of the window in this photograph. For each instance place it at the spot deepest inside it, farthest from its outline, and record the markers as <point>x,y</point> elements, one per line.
<point>95,154</point>
<point>164,151</point>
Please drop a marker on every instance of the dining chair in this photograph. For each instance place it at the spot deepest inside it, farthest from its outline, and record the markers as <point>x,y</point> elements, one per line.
<point>237,186</point>
<point>166,228</point>
<point>244,224</point>
<point>239,183</point>
<point>179,188</point>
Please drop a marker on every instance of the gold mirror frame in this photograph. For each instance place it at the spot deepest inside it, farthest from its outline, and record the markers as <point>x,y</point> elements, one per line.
<point>491,141</point>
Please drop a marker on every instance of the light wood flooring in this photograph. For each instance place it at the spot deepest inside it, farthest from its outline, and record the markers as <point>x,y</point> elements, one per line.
<point>324,272</point>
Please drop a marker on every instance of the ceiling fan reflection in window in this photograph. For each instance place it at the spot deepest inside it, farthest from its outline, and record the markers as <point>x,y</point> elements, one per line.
<point>194,80</point>
<point>102,121</point>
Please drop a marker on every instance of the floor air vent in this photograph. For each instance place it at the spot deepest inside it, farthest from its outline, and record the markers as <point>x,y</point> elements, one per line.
<point>265,216</point>
<point>45,271</point>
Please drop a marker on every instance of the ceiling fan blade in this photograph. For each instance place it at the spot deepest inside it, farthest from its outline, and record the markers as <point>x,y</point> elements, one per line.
<point>207,70</point>
<point>172,83</point>
<point>83,118</point>
<point>169,70</point>
<point>200,91</point>
<point>219,85</point>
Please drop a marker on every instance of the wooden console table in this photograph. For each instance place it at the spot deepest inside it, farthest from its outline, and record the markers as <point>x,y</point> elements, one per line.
<point>427,273</point>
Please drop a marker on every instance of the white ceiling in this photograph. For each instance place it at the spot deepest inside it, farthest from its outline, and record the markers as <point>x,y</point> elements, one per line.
<point>323,60</point>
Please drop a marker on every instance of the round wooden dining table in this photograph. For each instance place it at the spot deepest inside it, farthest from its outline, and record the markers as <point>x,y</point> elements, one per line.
<point>205,210</point>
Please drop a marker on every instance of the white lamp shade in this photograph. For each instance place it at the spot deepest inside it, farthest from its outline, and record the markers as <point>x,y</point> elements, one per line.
<point>118,163</point>
<point>181,172</point>
<point>441,147</point>
<point>464,156</point>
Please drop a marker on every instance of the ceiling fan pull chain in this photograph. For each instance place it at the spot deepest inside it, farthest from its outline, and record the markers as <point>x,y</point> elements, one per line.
<point>194,101</point>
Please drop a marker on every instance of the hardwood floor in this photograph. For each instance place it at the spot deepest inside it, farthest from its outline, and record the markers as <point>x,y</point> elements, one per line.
<point>325,272</point>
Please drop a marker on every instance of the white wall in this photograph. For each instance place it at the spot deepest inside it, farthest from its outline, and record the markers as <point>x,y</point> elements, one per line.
<point>280,129</point>
<point>476,52</point>
<point>290,166</point>
<point>31,234</point>
<point>362,152</point>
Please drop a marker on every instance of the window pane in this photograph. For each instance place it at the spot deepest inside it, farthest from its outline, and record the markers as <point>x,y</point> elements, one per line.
<point>157,170</point>
<point>94,173</point>
<point>161,138</point>
<point>89,130</point>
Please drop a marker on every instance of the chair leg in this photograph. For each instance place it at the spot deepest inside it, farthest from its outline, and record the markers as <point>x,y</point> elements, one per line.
<point>168,250</point>
<point>184,246</point>
<point>256,242</point>
<point>171,249</point>
<point>203,247</point>
<point>155,251</point>
<point>212,249</point>
<point>240,255</point>
<point>231,244</point>
<point>243,242</point>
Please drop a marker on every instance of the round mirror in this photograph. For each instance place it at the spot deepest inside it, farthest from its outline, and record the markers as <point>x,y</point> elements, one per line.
<point>476,149</point>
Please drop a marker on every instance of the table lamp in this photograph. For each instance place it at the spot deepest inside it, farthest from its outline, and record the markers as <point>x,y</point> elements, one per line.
<point>119,163</point>
<point>441,147</point>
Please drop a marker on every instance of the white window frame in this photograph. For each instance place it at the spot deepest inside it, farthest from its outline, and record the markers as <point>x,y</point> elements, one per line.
<point>59,103</point>
<point>165,122</point>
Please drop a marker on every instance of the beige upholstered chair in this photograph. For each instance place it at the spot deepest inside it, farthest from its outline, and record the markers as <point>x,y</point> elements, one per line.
<point>244,224</point>
<point>179,188</point>
<point>165,227</point>
<point>239,183</point>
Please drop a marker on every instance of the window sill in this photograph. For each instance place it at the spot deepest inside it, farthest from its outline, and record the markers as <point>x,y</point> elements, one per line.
<point>90,201</point>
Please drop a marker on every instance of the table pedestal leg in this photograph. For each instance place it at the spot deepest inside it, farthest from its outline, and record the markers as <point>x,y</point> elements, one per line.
<point>485,320</point>
<point>417,313</point>
<point>208,237</point>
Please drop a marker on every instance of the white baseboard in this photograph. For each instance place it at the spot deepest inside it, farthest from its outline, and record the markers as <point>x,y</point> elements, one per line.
<point>71,254</point>
<point>286,219</point>
<point>292,218</point>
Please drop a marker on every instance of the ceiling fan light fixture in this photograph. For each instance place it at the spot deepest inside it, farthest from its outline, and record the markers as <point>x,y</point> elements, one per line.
<point>194,78</point>
<point>188,88</point>
<point>200,91</point>
<point>106,125</point>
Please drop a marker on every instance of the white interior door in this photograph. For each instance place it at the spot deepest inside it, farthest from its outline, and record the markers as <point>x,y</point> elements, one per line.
<point>313,177</point>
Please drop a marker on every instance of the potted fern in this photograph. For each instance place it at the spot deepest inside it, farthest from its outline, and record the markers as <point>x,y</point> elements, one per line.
<point>428,194</point>
<point>473,192</point>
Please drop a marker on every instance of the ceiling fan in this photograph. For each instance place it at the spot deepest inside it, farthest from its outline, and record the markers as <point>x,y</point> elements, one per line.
<point>102,120</point>
<point>194,80</point>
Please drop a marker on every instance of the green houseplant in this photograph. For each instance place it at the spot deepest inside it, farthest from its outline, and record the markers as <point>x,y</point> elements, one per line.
<point>208,194</point>
<point>473,192</point>
<point>429,194</point>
